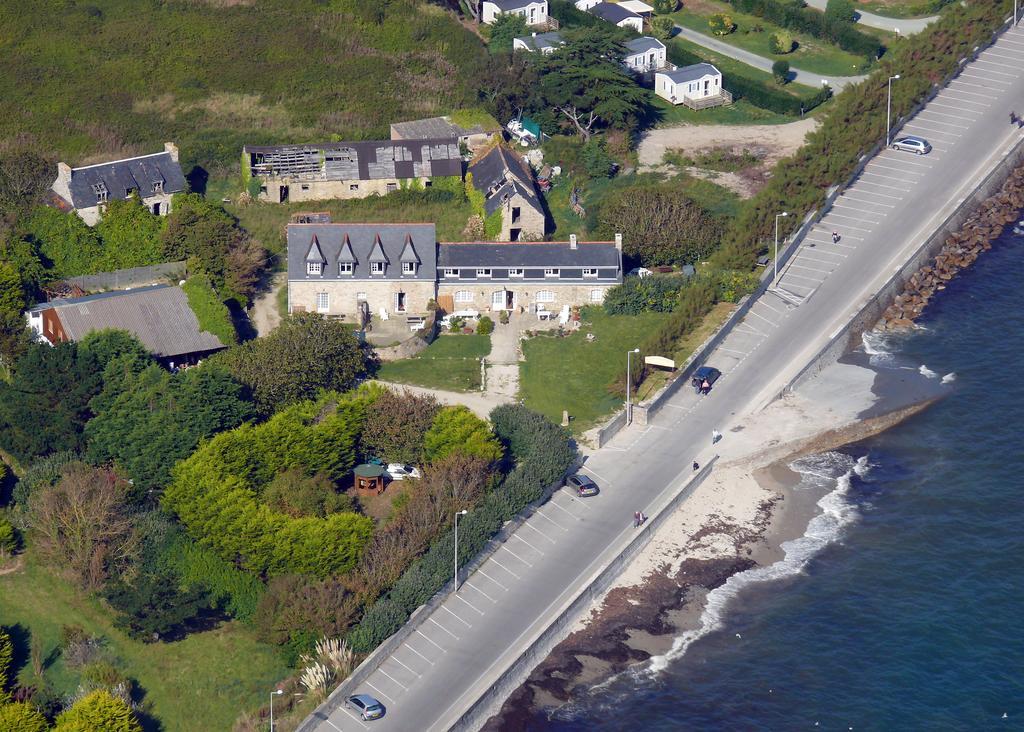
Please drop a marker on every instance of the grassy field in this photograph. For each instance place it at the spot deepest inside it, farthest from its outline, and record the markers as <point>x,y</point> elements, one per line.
<point>897,8</point>
<point>266,221</point>
<point>740,112</point>
<point>812,54</point>
<point>199,683</point>
<point>119,76</point>
<point>573,373</point>
<point>451,362</point>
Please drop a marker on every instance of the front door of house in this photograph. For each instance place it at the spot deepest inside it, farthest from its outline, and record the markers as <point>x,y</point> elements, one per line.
<point>498,300</point>
<point>510,300</point>
<point>399,302</point>
<point>707,85</point>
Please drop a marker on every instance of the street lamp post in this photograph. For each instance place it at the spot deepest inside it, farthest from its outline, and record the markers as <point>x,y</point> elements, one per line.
<point>277,692</point>
<point>629,378</point>
<point>775,262</point>
<point>463,512</point>
<point>888,111</point>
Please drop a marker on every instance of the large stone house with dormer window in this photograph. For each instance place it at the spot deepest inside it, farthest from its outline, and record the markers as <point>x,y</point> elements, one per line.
<point>153,178</point>
<point>364,271</point>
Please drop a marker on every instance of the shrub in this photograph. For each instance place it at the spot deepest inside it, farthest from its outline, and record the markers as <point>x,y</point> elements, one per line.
<point>21,717</point>
<point>8,538</point>
<point>799,18</point>
<point>296,611</point>
<point>664,7</point>
<point>45,471</point>
<point>653,294</point>
<point>781,42</point>
<point>721,24</point>
<point>6,664</point>
<point>695,301</point>
<point>507,27</point>
<point>98,711</point>
<point>662,28</point>
<point>485,326</point>
<point>597,163</point>
<point>456,429</point>
<point>395,425</point>
<point>235,592</point>
<point>780,70</point>
<point>839,11</point>
<point>210,310</point>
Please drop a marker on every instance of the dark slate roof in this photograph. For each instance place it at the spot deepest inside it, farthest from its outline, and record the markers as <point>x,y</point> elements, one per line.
<point>118,176</point>
<point>363,160</point>
<point>507,5</point>
<point>642,45</point>
<point>691,73</point>
<point>612,12</point>
<point>499,174</point>
<point>540,41</point>
<point>531,254</point>
<point>430,128</point>
<point>361,243</point>
<point>159,316</point>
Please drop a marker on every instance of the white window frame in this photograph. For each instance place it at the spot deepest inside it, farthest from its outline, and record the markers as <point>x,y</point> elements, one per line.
<point>408,268</point>
<point>377,268</point>
<point>590,271</point>
<point>516,272</point>
<point>597,296</point>
<point>545,296</point>
<point>483,271</point>
<point>325,299</point>
<point>450,272</point>
<point>551,272</point>
<point>314,268</point>
<point>463,296</point>
<point>346,268</point>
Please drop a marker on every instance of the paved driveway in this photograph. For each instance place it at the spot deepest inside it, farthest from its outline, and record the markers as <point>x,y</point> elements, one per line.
<point>456,653</point>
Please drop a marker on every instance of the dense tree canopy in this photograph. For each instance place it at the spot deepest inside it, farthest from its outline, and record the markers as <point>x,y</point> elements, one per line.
<point>130,234</point>
<point>305,354</point>
<point>456,429</point>
<point>21,717</point>
<point>68,245</point>
<point>504,30</point>
<point>395,425</point>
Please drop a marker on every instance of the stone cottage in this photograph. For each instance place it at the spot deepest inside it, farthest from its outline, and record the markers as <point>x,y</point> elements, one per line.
<point>506,182</point>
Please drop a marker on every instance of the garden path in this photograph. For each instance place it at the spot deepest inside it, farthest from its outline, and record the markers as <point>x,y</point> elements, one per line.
<point>264,315</point>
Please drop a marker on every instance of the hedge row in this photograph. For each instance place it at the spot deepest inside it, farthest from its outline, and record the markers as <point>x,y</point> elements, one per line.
<point>542,452</point>
<point>797,17</point>
<point>854,124</point>
<point>759,93</point>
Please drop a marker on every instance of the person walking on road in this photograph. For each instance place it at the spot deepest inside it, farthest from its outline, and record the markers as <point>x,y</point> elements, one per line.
<point>696,466</point>
<point>636,519</point>
<point>835,237</point>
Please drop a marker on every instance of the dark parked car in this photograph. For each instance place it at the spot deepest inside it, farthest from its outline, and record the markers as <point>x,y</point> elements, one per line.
<point>704,378</point>
<point>368,707</point>
<point>584,486</point>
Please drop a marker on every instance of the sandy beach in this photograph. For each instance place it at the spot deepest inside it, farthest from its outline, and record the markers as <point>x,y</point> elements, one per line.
<point>737,520</point>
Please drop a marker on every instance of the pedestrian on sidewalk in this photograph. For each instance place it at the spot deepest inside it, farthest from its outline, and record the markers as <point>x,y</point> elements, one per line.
<point>696,466</point>
<point>636,519</point>
<point>1014,119</point>
<point>715,436</point>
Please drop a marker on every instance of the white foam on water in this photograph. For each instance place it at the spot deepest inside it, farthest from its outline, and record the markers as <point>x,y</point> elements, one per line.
<point>949,378</point>
<point>836,514</point>
<point>878,346</point>
<point>927,372</point>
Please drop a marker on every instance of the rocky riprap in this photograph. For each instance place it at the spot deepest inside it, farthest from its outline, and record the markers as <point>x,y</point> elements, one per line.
<point>958,252</point>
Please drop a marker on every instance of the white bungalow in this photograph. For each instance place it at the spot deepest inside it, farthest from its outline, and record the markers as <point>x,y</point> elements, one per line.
<point>586,5</point>
<point>546,43</point>
<point>644,55</point>
<point>615,14</point>
<point>697,86</point>
<point>534,12</point>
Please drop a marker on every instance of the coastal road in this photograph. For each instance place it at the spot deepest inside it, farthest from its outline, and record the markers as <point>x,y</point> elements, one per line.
<point>764,64</point>
<point>458,651</point>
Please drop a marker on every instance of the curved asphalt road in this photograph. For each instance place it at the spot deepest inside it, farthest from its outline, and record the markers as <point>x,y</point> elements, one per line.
<point>454,656</point>
<point>903,26</point>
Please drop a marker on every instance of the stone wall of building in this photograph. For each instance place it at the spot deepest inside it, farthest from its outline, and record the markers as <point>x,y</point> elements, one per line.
<point>524,294</point>
<point>345,295</point>
<point>529,225</point>
<point>321,190</point>
<point>93,214</point>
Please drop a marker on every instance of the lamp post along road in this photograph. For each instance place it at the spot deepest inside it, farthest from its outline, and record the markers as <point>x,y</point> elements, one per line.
<point>463,512</point>
<point>629,378</point>
<point>278,692</point>
<point>775,262</point>
<point>888,112</point>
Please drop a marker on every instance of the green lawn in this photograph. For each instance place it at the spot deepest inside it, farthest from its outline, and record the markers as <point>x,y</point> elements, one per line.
<point>452,362</point>
<point>812,54</point>
<point>740,112</point>
<point>200,683</point>
<point>575,374</point>
<point>266,221</point>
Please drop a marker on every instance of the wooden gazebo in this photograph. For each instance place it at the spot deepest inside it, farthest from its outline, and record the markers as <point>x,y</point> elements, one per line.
<point>370,478</point>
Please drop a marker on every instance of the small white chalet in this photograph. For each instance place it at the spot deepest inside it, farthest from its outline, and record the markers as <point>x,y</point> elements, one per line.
<point>546,43</point>
<point>615,14</point>
<point>586,5</point>
<point>644,55</point>
<point>698,86</point>
<point>534,12</point>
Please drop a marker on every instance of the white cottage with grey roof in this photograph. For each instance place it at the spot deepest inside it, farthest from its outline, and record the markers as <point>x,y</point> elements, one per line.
<point>644,55</point>
<point>697,86</point>
<point>351,269</point>
<point>153,178</point>
<point>617,15</point>
<point>534,12</point>
<point>546,43</point>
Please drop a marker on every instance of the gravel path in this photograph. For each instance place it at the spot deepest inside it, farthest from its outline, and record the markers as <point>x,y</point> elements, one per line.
<point>264,315</point>
<point>777,141</point>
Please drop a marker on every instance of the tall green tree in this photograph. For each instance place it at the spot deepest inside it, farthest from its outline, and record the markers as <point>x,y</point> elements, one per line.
<point>396,424</point>
<point>148,421</point>
<point>151,606</point>
<point>305,354</point>
<point>131,234</point>
<point>585,83</point>
<point>24,177</point>
<point>504,30</point>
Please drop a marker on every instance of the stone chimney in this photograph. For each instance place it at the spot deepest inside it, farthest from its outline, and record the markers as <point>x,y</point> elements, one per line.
<point>618,242</point>
<point>572,241</point>
<point>171,148</point>
<point>63,171</point>
<point>62,186</point>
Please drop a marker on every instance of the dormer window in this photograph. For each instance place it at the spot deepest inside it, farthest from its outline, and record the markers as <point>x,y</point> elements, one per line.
<point>451,272</point>
<point>345,268</point>
<point>314,268</point>
<point>516,272</point>
<point>101,192</point>
<point>408,268</point>
<point>590,272</point>
<point>128,192</point>
<point>551,272</point>
<point>483,272</point>
<point>158,186</point>
<point>376,267</point>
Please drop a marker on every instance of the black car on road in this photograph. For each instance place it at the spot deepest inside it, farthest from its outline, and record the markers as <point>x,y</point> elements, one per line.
<point>704,378</point>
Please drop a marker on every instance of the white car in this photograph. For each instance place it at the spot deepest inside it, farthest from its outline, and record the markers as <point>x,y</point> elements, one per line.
<point>398,471</point>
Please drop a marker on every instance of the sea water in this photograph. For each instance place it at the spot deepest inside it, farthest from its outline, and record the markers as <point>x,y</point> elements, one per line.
<point>901,607</point>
